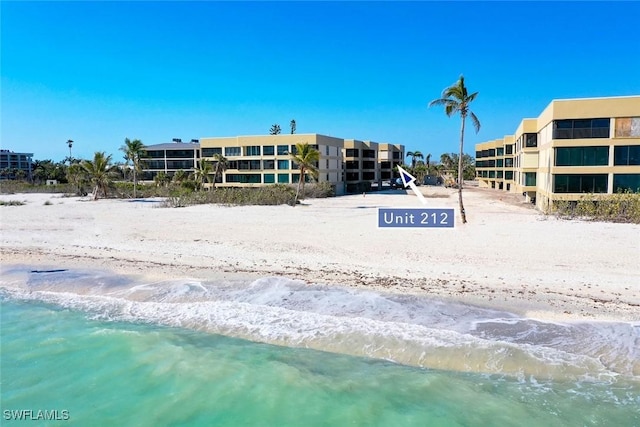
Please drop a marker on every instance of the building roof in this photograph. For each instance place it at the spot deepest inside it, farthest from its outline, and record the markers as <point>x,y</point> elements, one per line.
<point>173,146</point>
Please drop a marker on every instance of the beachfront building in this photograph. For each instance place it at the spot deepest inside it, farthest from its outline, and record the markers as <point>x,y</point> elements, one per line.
<point>169,158</point>
<point>15,165</point>
<point>575,146</point>
<point>348,165</point>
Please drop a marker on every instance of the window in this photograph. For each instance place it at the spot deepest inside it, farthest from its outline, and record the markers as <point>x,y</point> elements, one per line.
<point>385,165</point>
<point>499,151</point>
<point>252,150</point>
<point>590,183</point>
<point>249,164</point>
<point>231,151</point>
<point>478,154</point>
<point>397,155</point>
<point>268,164</point>
<point>294,150</point>
<point>283,164</point>
<point>530,179</point>
<point>582,156</point>
<point>353,176</point>
<point>326,150</point>
<point>492,152</point>
<point>179,164</point>
<point>581,128</point>
<point>354,152</point>
<point>243,178</point>
<point>530,139</point>
<point>368,165</point>
<point>233,164</point>
<point>180,154</point>
<point>626,182</point>
<point>210,152</point>
<point>508,149</point>
<point>492,174</point>
<point>268,150</point>
<point>352,164</point>
<point>283,178</point>
<point>626,155</point>
<point>628,127</point>
<point>269,178</point>
<point>508,162</point>
<point>499,163</point>
<point>370,154</point>
<point>508,175</point>
<point>283,150</point>
<point>499,174</point>
<point>370,176</point>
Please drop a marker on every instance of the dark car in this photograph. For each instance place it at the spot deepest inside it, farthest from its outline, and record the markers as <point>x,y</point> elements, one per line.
<point>396,183</point>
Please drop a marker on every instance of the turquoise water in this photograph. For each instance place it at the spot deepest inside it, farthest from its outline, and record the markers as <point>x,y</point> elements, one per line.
<point>115,373</point>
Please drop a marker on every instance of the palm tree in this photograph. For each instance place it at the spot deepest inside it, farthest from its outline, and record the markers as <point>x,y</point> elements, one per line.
<point>275,129</point>
<point>76,175</point>
<point>414,155</point>
<point>456,99</point>
<point>99,171</point>
<point>133,150</point>
<point>428,163</point>
<point>179,176</point>
<point>293,126</point>
<point>221,166</point>
<point>306,157</point>
<point>202,173</point>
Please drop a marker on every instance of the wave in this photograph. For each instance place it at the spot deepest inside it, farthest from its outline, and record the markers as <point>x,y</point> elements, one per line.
<point>405,329</point>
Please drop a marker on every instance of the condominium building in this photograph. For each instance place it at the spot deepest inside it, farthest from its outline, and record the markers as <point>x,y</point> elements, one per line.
<point>348,165</point>
<point>575,146</point>
<point>169,158</point>
<point>11,163</point>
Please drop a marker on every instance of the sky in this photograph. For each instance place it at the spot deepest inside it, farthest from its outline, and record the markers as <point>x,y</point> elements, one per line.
<point>100,72</point>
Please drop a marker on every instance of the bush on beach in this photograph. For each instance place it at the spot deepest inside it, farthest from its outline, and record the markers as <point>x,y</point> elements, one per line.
<point>619,207</point>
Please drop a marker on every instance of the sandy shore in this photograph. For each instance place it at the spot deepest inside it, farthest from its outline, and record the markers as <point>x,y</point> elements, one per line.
<point>508,256</point>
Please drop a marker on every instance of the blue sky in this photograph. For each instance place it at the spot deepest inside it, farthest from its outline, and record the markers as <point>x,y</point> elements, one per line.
<point>98,72</point>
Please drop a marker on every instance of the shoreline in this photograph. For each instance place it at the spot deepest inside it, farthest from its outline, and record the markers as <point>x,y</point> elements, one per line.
<point>345,249</point>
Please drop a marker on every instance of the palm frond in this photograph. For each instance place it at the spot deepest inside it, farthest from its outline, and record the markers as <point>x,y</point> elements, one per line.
<point>475,121</point>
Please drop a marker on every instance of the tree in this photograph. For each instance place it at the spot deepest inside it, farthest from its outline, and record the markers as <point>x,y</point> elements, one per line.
<point>77,176</point>
<point>456,100</point>
<point>99,171</point>
<point>133,151</point>
<point>221,166</point>
<point>414,155</point>
<point>293,126</point>
<point>306,158</point>
<point>179,176</point>
<point>275,129</point>
<point>202,173</point>
<point>428,163</point>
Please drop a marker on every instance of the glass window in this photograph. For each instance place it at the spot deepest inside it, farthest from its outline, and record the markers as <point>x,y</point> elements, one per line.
<point>582,156</point>
<point>283,178</point>
<point>530,179</point>
<point>369,176</point>
<point>508,149</point>
<point>492,174</point>
<point>326,150</point>
<point>508,162</point>
<point>626,155</point>
<point>354,152</point>
<point>283,164</point>
<point>492,152</point>
<point>385,165</point>
<point>589,183</point>
<point>531,139</point>
<point>268,164</point>
<point>508,174</point>
<point>252,150</point>
<point>231,151</point>
<point>352,164</point>
<point>268,150</point>
<point>626,182</point>
<point>294,150</point>
<point>371,154</point>
<point>499,163</point>
<point>368,165</point>
<point>499,151</point>
<point>499,174</point>
<point>581,128</point>
<point>269,178</point>
<point>210,152</point>
<point>283,150</point>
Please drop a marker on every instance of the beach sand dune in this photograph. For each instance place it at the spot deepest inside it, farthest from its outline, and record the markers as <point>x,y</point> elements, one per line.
<point>507,256</point>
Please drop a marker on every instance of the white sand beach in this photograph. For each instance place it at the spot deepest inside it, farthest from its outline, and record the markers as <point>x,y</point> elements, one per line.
<point>507,256</point>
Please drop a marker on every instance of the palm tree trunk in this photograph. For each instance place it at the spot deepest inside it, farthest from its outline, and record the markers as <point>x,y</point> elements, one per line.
<point>215,177</point>
<point>295,202</point>
<point>135,182</point>
<point>460,177</point>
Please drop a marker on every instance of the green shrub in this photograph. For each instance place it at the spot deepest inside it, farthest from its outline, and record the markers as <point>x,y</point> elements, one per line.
<point>619,207</point>
<point>11,203</point>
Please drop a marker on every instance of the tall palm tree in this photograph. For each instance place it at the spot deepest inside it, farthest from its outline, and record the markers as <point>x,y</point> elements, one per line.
<point>414,155</point>
<point>202,172</point>
<point>99,171</point>
<point>133,151</point>
<point>275,129</point>
<point>306,157</point>
<point>428,163</point>
<point>456,100</point>
<point>292,124</point>
<point>221,166</point>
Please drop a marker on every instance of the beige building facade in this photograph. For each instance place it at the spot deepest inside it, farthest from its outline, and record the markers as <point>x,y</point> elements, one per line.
<point>574,147</point>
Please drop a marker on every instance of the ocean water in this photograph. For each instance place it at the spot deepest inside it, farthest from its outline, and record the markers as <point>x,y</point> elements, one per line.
<point>104,350</point>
